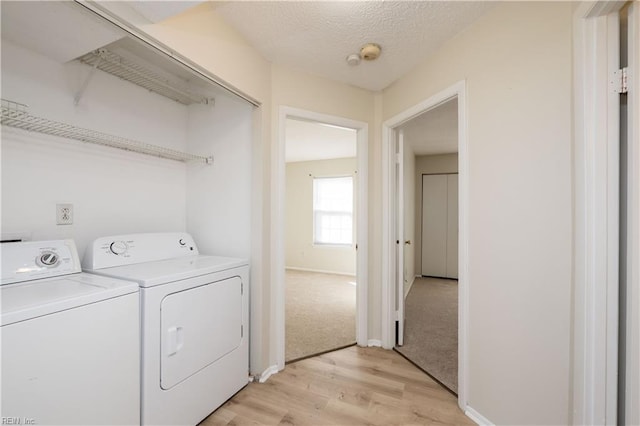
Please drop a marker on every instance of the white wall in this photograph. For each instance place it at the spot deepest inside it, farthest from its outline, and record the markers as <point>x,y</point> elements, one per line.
<point>300,251</point>
<point>516,61</point>
<point>112,191</point>
<point>427,164</point>
<point>219,195</point>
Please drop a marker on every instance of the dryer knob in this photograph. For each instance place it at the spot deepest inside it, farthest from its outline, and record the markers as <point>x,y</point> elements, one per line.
<point>118,247</point>
<point>48,259</point>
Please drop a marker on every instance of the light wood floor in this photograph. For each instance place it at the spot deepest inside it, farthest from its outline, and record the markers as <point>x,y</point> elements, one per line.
<point>351,386</point>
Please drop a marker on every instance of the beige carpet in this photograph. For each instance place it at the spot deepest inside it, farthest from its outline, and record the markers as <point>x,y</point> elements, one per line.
<point>320,313</point>
<point>431,329</point>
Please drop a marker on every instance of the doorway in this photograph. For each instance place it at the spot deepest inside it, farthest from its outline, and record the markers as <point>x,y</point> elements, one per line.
<point>430,261</point>
<point>278,224</point>
<point>395,238</point>
<point>320,238</point>
<point>606,214</point>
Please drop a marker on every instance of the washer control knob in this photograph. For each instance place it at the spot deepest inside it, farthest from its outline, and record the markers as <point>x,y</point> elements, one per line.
<point>118,248</point>
<point>181,242</point>
<point>48,259</point>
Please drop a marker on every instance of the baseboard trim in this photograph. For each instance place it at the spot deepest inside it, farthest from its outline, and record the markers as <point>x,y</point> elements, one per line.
<point>374,343</point>
<point>270,371</point>
<point>321,271</point>
<point>440,278</point>
<point>406,292</point>
<point>478,418</point>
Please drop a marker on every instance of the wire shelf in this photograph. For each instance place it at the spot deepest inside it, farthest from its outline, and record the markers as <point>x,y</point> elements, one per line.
<point>128,70</point>
<point>15,114</point>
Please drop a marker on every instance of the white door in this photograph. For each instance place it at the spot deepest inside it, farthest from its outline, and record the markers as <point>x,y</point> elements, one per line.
<point>440,225</point>
<point>434,225</point>
<point>400,238</point>
<point>630,385</point>
<point>199,326</point>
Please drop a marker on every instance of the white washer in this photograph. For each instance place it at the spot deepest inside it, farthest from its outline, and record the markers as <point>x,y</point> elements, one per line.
<point>194,321</point>
<point>70,340</point>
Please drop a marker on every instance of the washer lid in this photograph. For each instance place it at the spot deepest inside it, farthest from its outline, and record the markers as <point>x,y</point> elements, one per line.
<point>32,299</point>
<point>150,274</point>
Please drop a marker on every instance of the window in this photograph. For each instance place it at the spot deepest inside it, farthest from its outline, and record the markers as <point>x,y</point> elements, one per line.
<point>333,210</point>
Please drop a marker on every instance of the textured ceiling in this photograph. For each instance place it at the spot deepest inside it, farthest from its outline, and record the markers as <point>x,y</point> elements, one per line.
<point>433,132</point>
<point>306,141</point>
<point>317,36</point>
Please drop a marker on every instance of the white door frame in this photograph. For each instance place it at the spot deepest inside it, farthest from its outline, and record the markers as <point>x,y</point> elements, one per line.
<point>632,388</point>
<point>596,213</point>
<point>278,228</point>
<point>400,238</point>
<point>389,226</point>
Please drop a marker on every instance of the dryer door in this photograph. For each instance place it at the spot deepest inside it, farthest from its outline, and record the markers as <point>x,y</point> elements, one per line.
<point>199,326</point>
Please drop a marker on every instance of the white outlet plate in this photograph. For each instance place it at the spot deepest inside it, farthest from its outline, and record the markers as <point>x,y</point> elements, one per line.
<point>64,214</point>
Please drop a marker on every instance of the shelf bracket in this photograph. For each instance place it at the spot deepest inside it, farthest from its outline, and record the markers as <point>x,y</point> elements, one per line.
<point>85,83</point>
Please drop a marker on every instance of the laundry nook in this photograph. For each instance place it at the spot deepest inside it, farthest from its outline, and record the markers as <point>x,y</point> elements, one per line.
<point>319,212</point>
<point>117,158</point>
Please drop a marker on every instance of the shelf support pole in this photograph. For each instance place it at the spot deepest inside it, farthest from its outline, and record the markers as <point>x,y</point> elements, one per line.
<point>85,83</point>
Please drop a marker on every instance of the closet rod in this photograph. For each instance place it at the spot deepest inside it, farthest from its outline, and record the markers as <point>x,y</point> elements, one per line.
<point>14,114</point>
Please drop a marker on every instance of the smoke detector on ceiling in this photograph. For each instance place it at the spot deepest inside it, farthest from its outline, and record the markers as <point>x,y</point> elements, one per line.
<point>370,51</point>
<point>353,59</point>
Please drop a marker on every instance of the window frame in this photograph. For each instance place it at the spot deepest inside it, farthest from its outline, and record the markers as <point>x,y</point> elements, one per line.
<point>352,213</point>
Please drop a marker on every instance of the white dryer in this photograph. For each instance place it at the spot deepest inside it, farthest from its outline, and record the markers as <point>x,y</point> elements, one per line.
<point>195,352</point>
<point>70,340</point>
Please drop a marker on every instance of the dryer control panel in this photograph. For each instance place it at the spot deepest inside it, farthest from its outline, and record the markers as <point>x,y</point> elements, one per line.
<point>31,260</point>
<point>120,250</point>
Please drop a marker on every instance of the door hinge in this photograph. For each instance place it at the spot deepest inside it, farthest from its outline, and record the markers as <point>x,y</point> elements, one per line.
<point>397,158</point>
<point>241,288</point>
<point>397,315</point>
<point>242,331</point>
<point>619,81</point>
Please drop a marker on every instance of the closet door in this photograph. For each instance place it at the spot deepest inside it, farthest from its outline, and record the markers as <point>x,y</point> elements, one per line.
<point>452,226</point>
<point>434,225</point>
